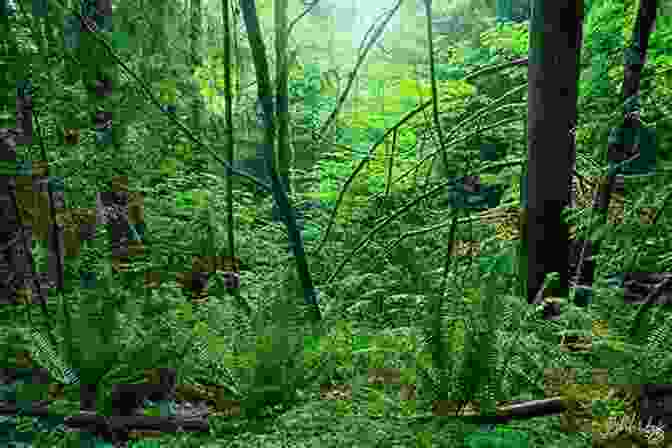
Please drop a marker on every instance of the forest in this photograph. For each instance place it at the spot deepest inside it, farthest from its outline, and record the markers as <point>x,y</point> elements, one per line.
<point>389,223</point>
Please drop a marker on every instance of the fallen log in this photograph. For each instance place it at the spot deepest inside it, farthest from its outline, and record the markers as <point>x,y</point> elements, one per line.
<point>517,411</point>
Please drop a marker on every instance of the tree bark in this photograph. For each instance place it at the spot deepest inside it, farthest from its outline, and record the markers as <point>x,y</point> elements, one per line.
<point>553,70</point>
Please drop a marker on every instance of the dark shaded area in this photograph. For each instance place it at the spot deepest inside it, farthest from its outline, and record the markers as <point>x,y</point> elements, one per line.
<point>656,405</point>
<point>468,192</point>
<point>36,375</point>
<point>127,398</point>
<point>640,145</point>
<point>116,428</point>
<point>491,151</point>
<point>256,167</point>
<point>195,283</point>
<point>638,285</point>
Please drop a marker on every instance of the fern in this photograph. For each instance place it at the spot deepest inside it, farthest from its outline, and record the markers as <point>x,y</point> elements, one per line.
<point>488,349</point>
<point>659,338</point>
<point>644,355</point>
<point>654,359</point>
<point>469,375</point>
<point>47,356</point>
<point>493,364</point>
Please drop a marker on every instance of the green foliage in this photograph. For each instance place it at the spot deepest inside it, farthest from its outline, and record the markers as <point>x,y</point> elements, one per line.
<point>512,37</point>
<point>306,85</point>
<point>479,342</point>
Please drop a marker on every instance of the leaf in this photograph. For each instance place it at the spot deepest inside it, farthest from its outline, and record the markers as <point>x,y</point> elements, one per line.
<point>488,178</point>
<point>168,166</point>
<point>183,151</point>
<point>472,295</point>
<point>184,312</point>
<point>208,92</point>
<point>407,88</point>
<point>167,91</point>
<point>457,336</point>
<point>200,329</point>
<point>200,198</point>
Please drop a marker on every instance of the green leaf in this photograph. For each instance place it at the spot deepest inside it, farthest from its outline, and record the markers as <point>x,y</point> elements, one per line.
<point>168,166</point>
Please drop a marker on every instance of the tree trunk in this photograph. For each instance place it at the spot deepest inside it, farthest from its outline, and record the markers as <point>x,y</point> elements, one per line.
<point>280,197</point>
<point>617,150</point>
<point>282,100</point>
<point>555,43</point>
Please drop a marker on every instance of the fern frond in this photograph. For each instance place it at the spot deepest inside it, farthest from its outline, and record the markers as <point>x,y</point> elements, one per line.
<point>46,355</point>
<point>655,351</point>
<point>659,338</point>
<point>492,383</point>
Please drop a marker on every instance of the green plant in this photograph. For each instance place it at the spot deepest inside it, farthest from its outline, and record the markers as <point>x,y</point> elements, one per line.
<point>606,408</point>
<point>476,373</point>
<point>511,36</point>
<point>501,437</point>
<point>145,444</point>
<point>616,407</point>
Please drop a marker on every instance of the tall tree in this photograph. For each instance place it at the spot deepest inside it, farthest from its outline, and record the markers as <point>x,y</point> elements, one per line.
<point>621,149</point>
<point>281,96</point>
<point>553,71</point>
<point>280,197</point>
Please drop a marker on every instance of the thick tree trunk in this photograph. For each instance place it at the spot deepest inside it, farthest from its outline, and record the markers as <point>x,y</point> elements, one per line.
<point>555,42</point>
